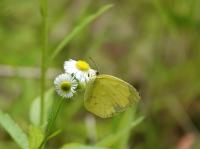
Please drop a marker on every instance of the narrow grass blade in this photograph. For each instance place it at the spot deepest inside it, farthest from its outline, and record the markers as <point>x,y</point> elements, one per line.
<point>125,121</point>
<point>55,133</point>
<point>14,130</point>
<point>79,28</point>
<point>113,138</point>
<point>80,146</point>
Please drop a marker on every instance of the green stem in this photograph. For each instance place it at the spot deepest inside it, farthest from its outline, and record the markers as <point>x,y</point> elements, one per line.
<point>52,119</point>
<point>44,14</point>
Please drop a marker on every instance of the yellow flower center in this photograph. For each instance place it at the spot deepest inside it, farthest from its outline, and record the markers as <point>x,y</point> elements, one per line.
<point>65,86</point>
<point>82,65</point>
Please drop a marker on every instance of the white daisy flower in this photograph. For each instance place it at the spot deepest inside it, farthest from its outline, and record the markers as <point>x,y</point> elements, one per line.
<point>80,69</point>
<point>65,85</point>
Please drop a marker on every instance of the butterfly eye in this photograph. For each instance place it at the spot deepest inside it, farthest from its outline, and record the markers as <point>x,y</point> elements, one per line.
<point>97,73</point>
<point>88,75</point>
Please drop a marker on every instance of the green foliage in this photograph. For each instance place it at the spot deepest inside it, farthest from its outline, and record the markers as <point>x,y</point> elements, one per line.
<point>14,130</point>
<point>80,146</point>
<point>154,45</point>
<point>127,120</point>
<point>85,22</point>
<point>52,117</point>
<point>115,138</point>
<point>34,112</point>
<point>53,134</point>
<point>36,137</point>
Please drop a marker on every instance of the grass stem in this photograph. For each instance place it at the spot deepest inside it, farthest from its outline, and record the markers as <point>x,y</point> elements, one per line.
<point>44,14</point>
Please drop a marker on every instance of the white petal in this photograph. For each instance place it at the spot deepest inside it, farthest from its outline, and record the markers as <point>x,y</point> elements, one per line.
<point>81,76</point>
<point>65,77</point>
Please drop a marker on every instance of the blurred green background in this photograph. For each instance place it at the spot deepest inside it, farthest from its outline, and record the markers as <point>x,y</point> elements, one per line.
<point>154,45</point>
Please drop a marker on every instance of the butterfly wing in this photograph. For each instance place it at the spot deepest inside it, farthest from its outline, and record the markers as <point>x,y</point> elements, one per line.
<point>106,95</point>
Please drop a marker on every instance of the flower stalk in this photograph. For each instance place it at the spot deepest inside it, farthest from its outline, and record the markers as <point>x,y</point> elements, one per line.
<point>44,14</point>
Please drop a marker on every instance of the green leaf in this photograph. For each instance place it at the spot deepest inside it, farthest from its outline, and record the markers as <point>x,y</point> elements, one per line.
<point>34,112</point>
<point>55,133</point>
<point>80,146</point>
<point>125,121</point>
<point>79,28</point>
<point>35,137</point>
<point>14,130</point>
<point>114,138</point>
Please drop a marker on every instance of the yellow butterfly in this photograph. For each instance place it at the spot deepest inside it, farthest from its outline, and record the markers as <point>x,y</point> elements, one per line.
<point>106,95</point>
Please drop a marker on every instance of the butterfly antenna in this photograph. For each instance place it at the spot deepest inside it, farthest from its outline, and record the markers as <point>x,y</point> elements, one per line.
<point>95,65</point>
